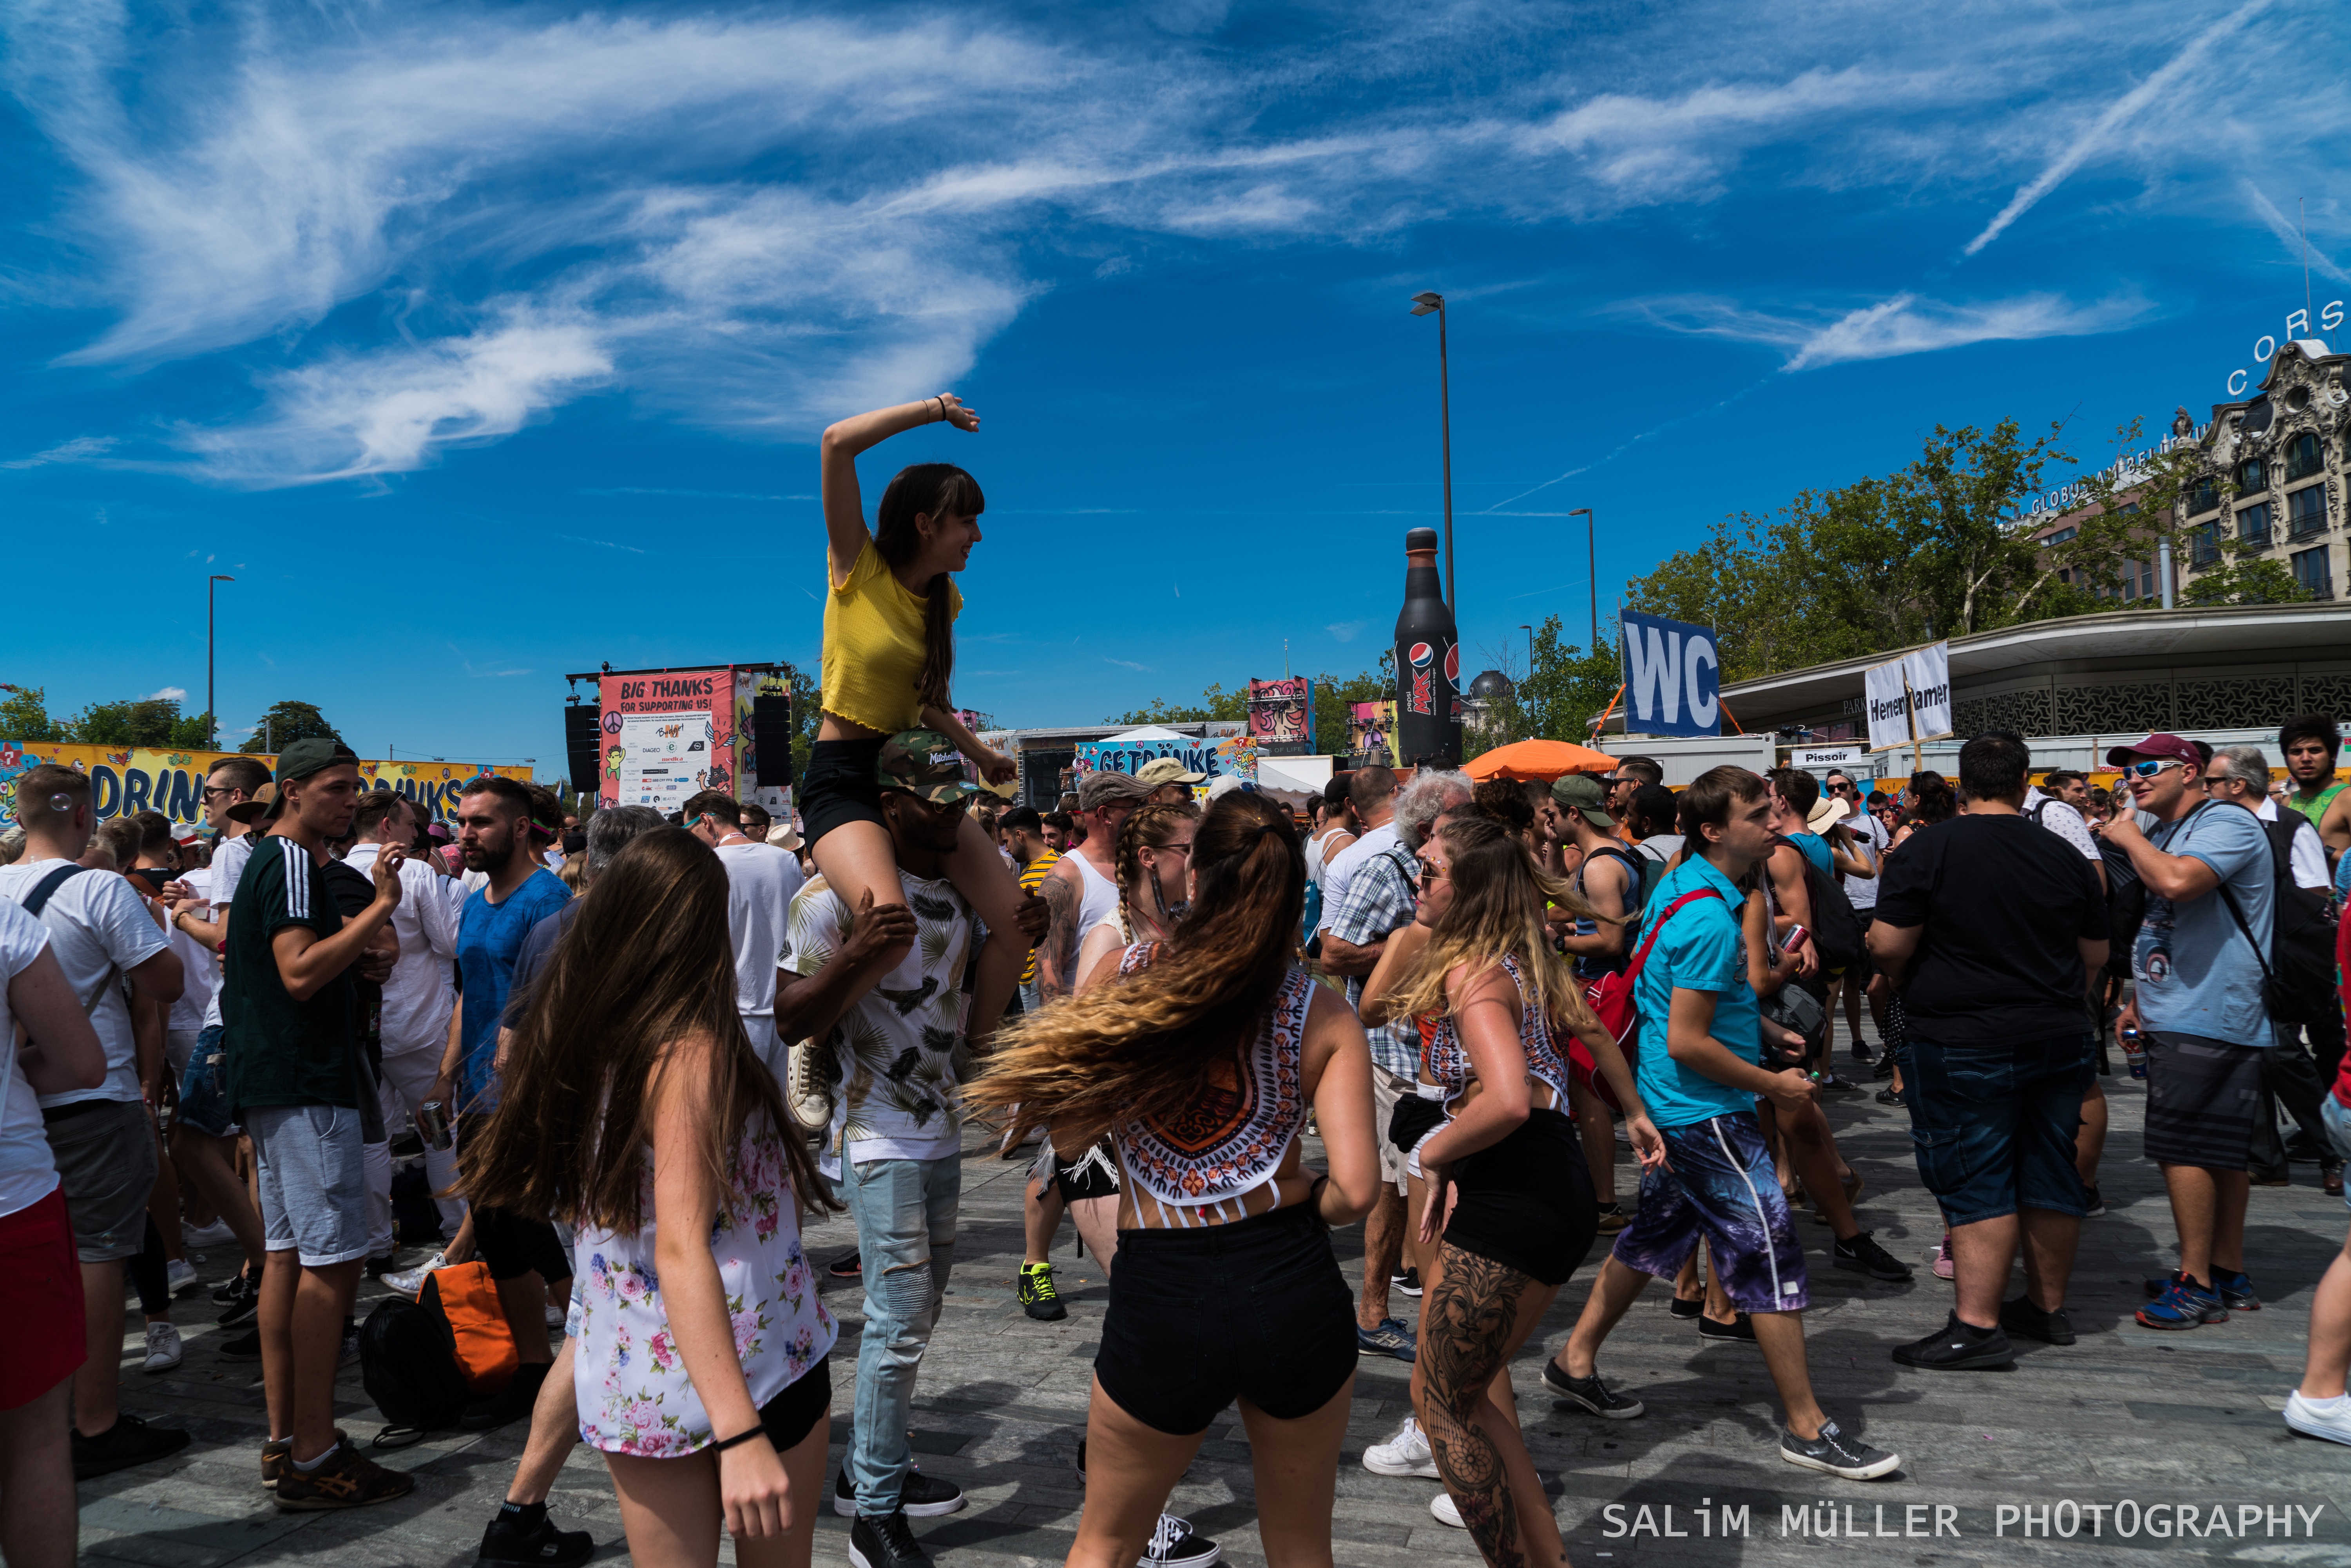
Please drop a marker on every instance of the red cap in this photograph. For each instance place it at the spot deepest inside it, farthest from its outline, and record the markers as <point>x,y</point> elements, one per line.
<point>2160,744</point>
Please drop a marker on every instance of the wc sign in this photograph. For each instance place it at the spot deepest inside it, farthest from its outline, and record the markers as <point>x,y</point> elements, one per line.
<point>1673,677</point>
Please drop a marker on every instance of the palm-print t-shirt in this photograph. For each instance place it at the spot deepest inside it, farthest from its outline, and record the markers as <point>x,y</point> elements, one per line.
<point>896,1087</point>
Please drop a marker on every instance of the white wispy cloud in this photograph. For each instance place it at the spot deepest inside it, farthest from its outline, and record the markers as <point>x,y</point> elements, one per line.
<point>1905,324</point>
<point>2295,240</point>
<point>80,449</point>
<point>168,694</point>
<point>1346,630</point>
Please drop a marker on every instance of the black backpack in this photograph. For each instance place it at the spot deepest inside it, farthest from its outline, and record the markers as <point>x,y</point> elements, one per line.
<point>408,1361</point>
<point>2298,976</point>
<point>1836,929</point>
<point>2126,907</point>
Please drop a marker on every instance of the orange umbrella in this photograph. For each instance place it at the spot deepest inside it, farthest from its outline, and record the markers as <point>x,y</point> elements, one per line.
<point>1540,761</point>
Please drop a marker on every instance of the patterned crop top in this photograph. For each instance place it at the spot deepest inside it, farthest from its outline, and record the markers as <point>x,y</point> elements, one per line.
<point>1230,1144</point>
<point>1447,1060</point>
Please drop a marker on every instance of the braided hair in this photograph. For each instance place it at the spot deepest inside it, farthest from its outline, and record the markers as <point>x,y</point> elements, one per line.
<point>1153,827</point>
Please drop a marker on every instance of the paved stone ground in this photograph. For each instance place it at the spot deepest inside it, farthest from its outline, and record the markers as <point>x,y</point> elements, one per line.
<point>2126,1414</point>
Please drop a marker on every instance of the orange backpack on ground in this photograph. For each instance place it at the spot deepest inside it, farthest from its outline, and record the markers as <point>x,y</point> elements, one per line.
<point>467,1298</point>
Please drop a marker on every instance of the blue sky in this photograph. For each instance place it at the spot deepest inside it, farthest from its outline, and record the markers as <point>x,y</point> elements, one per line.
<point>488,343</point>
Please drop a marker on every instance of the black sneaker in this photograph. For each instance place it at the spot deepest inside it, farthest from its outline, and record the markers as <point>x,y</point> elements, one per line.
<point>2022,1317</point>
<point>1861,1253</point>
<point>885,1541</point>
<point>1837,1454</point>
<point>1172,1541</point>
<point>850,1265</point>
<point>1409,1283</point>
<point>1891,1097</point>
<point>922,1496</point>
<point>2093,1207</point>
<point>237,1286</point>
<point>243,1305</point>
<point>1836,1085</point>
<point>1688,1310</point>
<point>1861,1050</point>
<point>1590,1392</point>
<point>1957,1347</point>
<point>1037,1297</point>
<point>1884,1068</point>
<point>129,1441</point>
<point>1737,1328</point>
<point>245,1347</point>
<point>529,1536</point>
<point>377,1268</point>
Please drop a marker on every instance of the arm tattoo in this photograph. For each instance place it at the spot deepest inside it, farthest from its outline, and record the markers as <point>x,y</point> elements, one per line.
<point>1466,1331</point>
<point>1056,956</point>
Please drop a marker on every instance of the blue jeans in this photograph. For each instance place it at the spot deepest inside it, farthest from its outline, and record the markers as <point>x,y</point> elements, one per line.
<point>905,1214</point>
<point>1993,1124</point>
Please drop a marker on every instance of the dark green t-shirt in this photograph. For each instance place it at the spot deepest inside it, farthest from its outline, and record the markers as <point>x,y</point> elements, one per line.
<point>282,1052</point>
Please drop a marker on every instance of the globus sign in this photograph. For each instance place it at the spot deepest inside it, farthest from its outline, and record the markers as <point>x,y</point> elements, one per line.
<point>2297,325</point>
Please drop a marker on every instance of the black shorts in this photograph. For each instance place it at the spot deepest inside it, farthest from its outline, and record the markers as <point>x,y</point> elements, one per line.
<point>792,1414</point>
<point>840,785</point>
<point>1526,1202</point>
<point>1256,1310</point>
<point>2203,1098</point>
<point>512,1244</point>
<point>1093,1174</point>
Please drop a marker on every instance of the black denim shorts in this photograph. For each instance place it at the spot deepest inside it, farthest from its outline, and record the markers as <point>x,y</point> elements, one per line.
<point>1254,1309</point>
<point>792,1414</point>
<point>840,785</point>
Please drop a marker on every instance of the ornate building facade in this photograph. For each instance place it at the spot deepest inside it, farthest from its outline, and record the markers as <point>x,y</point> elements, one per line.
<point>2273,472</point>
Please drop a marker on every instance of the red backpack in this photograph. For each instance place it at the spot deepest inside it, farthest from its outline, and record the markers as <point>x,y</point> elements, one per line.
<point>1610,999</point>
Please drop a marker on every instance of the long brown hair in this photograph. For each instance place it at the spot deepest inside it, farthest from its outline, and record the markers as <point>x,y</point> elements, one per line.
<point>646,963</point>
<point>1151,1044</point>
<point>1497,910</point>
<point>1150,828</point>
<point>935,490</point>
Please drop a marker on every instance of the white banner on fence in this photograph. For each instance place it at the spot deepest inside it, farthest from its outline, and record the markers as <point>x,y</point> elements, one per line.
<point>1910,698</point>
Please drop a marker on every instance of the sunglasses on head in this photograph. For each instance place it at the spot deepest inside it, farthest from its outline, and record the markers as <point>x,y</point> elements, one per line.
<point>2150,767</point>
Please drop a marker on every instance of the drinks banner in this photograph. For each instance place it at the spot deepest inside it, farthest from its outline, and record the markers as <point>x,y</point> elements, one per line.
<point>1371,733</point>
<point>1909,699</point>
<point>1215,756</point>
<point>1673,676</point>
<point>156,779</point>
<point>1282,713</point>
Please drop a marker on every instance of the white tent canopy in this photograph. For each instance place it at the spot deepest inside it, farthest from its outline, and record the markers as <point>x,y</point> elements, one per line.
<point>1148,732</point>
<point>1287,786</point>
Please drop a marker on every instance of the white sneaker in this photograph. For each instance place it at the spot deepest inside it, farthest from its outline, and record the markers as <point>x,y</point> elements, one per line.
<point>555,1314</point>
<point>2335,1425</point>
<point>216,1234</point>
<point>179,1275</point>
<point>1442,1507</point>
<point>162,1348</point>
<point>1405,1454</point>
<point>409,1281</point>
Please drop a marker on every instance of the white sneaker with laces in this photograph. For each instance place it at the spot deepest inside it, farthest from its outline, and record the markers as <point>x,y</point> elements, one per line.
<point>216,1234</point>
<point>162,1348</point>
<point>409,1281</point>
<point>2305,1417</point>
<point>179,1275</point>
<point>1405,1454</point>
<point>1441,1505</point>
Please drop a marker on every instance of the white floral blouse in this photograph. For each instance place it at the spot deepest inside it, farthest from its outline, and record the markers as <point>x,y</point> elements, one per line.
<point>633,1393</point>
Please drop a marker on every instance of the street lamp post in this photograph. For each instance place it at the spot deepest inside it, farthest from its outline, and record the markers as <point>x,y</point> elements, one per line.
<point>1423,304</point>
<point>211,709</point>
<point>1591,563</point>
<point>1530,668</point>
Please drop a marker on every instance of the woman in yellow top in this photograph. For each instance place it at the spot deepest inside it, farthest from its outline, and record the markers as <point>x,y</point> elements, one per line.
<point>889,649</point>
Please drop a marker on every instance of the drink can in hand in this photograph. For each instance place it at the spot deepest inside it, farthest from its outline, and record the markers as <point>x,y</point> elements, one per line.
<point>433,1124</point>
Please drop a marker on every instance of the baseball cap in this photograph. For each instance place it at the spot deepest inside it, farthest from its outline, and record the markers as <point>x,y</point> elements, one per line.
<point>1582,792</point>
<point>1226,784</point>
<point>315,755</point>
<point>923,763</point>
<point>2161,744</point>
<point>1162,771</point>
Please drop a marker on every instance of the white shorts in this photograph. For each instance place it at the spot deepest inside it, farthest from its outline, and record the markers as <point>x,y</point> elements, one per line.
<point>312,1171</point>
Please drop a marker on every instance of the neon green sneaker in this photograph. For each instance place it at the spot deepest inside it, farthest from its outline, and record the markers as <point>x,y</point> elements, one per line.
<point>1038,1297</point>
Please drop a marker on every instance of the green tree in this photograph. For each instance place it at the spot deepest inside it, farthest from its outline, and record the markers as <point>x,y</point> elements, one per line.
<point>25,714</point>
<point>287,722</point>
<point>2131,509</point>
<point>1215,702</point>
<point>192,733</point>
<point>132,721</point>
<point>807,715</point>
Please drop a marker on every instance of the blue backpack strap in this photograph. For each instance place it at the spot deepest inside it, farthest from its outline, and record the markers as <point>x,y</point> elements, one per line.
<point>39,899</point>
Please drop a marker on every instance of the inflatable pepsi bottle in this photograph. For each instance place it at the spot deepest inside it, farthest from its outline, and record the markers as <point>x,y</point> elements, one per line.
<point>1427,662</point>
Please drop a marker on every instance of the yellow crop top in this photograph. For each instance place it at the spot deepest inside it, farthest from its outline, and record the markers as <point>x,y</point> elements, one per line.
<point>873,646</point>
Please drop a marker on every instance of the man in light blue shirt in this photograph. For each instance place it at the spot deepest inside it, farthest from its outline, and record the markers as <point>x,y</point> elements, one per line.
<point>1701,1071</point>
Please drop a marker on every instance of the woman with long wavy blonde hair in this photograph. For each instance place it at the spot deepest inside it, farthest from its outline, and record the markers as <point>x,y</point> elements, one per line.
<point>1199,1057</point>
<point>1508,1212</point>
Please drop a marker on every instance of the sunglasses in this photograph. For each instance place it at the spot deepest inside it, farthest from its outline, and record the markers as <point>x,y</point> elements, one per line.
<point>2150,767</point>
<point>1430,877</point>
<point>1843,790</point>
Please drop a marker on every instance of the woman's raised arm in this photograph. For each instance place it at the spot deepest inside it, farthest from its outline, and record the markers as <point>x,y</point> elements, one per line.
<point>844,507</point>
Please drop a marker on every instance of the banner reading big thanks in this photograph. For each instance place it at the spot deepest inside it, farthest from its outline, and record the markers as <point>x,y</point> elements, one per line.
<point>145,778</point>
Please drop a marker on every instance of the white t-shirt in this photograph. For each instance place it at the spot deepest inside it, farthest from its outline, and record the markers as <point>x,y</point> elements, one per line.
<point>228,865</point>
<point>1341,869</point>
<point>1867,831</point>
<point>760,881</point>
<point>2306,854</point>
<point>422,990</point>
<point>199,964</point>
<point>27,1171</point>
<point>2062,821</point>
<point>100,932</point>
<point>1318,851</point>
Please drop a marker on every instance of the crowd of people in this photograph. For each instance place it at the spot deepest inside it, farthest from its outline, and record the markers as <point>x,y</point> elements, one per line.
<point>619,1062</point>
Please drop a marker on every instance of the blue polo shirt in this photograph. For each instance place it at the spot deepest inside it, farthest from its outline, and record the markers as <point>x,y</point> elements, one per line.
<point>1700,947</point>
<point>490,942</point>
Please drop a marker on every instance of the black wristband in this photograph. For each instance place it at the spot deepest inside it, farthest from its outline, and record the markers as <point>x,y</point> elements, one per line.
<point>756,1430</point>
<point>1314,1200</point>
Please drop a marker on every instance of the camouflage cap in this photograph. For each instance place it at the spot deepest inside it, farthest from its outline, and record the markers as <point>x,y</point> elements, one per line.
<point>923,763</point>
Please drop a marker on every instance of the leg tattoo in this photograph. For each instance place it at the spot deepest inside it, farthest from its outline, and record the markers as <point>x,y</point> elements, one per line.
<point>1464,1331</point>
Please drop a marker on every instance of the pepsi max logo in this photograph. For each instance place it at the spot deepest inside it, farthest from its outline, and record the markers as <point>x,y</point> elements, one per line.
<point>1453,663</point>
<point>1420,655</point>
